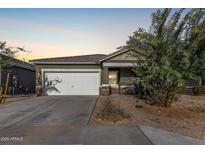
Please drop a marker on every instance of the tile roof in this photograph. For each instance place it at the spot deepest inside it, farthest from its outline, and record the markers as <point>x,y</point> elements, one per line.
<point>94,58</point>
<point>113,54</point>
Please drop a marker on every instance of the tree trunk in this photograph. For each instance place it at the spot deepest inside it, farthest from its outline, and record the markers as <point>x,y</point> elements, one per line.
<point>200,82</point>
<point>167,101</point>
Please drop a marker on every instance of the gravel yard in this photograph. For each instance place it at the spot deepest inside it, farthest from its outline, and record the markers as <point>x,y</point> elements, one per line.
<point>186,116</point>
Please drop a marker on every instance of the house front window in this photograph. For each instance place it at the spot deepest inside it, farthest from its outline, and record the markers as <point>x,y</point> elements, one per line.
<point>113,77</point>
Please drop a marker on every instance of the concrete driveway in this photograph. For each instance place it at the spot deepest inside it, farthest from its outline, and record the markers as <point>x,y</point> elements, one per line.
<point>60,120</point>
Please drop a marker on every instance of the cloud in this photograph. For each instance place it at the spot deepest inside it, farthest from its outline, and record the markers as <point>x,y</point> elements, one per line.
<point>67,32</point>
<point>87,44</point>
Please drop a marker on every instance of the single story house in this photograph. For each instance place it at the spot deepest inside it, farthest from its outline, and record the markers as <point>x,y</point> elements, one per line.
<point>83,75</point>
<point>87,74</point>
<point>22,78</point>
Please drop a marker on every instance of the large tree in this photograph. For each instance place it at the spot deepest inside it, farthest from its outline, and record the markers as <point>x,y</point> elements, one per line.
<point>7,53</point>
<point>172,51</point>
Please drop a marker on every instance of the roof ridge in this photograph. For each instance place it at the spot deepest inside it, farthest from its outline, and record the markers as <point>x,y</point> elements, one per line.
<point>68,57</point>
<point>119,51</point>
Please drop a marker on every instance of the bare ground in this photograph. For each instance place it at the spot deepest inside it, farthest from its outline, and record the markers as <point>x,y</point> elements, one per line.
<point>16,98</point>
<point>186,116</point>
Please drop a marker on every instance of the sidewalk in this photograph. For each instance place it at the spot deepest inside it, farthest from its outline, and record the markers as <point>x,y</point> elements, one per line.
<point>162,137</point>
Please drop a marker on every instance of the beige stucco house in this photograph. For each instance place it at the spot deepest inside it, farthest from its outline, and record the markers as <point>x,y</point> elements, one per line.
<point>85,75</point>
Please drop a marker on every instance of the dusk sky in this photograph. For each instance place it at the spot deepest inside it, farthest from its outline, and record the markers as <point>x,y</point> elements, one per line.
<point>68,32</point>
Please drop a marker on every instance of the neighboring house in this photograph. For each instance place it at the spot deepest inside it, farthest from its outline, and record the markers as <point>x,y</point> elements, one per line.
<point>83,75</point>
<point>22,77</point>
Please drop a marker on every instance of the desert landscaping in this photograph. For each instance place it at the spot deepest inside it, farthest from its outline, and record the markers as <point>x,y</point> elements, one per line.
<point>186,116</point>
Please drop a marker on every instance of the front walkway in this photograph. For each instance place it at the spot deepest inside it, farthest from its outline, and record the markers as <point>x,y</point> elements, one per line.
<point>162,137</point>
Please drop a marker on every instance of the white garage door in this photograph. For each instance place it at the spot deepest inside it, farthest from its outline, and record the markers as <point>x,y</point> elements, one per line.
<point>73,83</point>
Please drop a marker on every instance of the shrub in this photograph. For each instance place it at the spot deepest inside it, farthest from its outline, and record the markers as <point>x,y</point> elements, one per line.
<point>169,53</point>
<point>111,112</point>
<point>182,90</point>
<point>199,90</point>
<point>140,90</point>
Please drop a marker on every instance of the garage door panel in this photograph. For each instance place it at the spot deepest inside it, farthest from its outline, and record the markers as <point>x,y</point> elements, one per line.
<point>74,83</point>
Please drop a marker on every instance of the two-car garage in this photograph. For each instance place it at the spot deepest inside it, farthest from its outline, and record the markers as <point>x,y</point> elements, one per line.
<point>72,81</point>
<point>73,75</point>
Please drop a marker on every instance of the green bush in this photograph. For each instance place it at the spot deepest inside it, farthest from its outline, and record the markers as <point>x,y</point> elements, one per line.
<point>182,90</point>
<point>199,90</point>
<point>164,54</point>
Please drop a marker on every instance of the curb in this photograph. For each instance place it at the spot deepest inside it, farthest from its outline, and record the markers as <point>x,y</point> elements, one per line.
<point>144,135</point>
<point>92,110</point>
